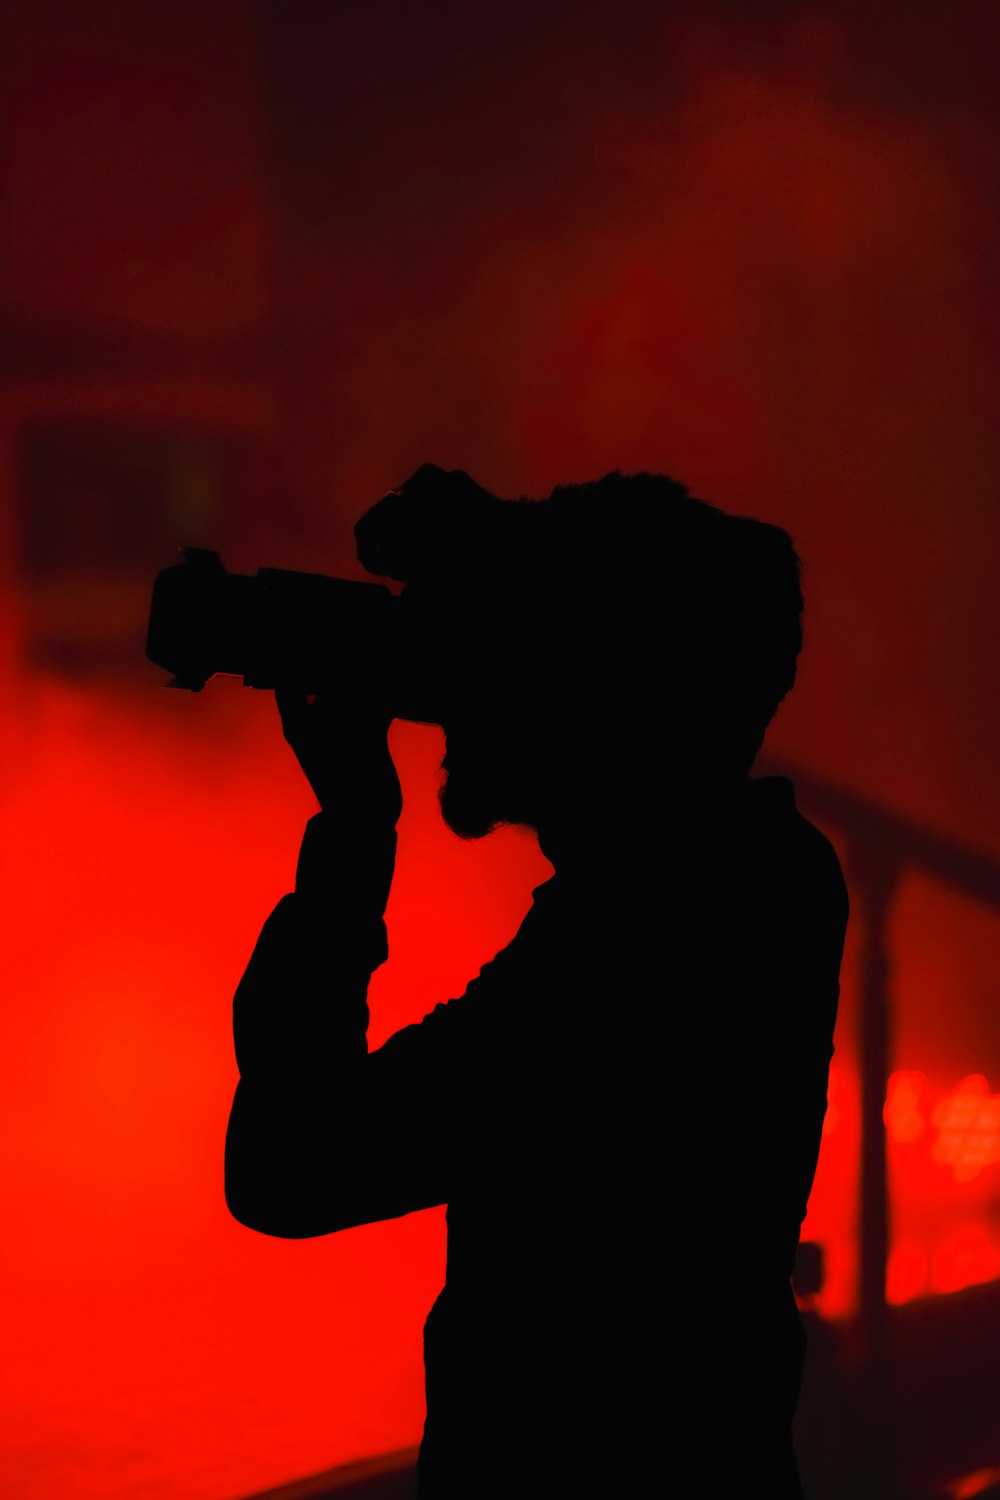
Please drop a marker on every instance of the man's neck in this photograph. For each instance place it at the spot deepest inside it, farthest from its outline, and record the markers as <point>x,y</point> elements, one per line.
<point>601,836</point>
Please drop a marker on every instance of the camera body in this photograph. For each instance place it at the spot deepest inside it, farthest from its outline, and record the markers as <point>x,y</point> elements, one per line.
<point>281,629</point>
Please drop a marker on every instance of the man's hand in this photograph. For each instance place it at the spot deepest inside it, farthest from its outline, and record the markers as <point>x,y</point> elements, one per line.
<point>342,748</point>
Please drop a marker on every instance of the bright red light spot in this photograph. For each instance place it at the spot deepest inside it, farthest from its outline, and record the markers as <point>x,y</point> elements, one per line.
<point>973,1484</point>
<point>906,1274</point>
<point>967,1258</point>
<point>834,1091</point>
<point>902,1113</point>
<point>968,1122</point>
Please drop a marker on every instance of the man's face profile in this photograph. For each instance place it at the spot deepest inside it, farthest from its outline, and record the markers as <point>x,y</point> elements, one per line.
<point>489,709</point>
<point>490,775</point>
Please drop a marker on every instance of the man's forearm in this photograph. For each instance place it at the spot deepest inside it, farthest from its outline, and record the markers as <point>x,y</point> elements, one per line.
<point>300,1018</point>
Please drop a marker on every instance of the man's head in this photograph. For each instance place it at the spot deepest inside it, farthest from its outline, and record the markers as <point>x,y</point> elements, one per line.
<point>615,632</point>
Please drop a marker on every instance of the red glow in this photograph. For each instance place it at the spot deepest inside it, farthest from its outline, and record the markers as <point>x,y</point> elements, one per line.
<point>968,1257</point>
<point>968,1122</point>
<point>901,1112</point>
<point>906,1274</point>
<point>974,1484</point>
<point>832,1216</point>
<point>140,1305</point>
<point>763,266</point>
<point>929,1254</point>
<point>834,1107</point>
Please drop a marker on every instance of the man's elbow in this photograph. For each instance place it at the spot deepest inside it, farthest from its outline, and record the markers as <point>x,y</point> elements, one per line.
<point>264,1215</point>
<point>285,1215</point>
<point>265,1191</point>
<point>279,1182</point>
<point>267,1218</point>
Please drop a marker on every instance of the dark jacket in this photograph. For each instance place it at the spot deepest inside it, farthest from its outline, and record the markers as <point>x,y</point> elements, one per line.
<point>623,1114</point>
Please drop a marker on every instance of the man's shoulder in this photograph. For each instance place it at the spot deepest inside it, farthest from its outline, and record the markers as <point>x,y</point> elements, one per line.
<point>811,862</point>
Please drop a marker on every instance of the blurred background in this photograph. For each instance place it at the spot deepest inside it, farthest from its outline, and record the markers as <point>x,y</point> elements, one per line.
<point>257,262</point>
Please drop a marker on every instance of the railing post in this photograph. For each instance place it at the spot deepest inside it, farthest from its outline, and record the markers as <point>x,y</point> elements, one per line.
<point>876,869</point>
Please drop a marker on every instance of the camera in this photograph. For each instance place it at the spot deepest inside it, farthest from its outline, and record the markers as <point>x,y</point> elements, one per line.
<point>282,629</point>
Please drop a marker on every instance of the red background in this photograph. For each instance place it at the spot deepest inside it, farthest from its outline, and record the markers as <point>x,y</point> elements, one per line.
<point>258,262</point>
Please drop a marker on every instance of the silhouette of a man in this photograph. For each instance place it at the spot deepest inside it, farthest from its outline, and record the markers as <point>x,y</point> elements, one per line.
<point>623,1111</point>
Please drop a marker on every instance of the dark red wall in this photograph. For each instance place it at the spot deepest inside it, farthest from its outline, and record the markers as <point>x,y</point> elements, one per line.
<point>753,247</point>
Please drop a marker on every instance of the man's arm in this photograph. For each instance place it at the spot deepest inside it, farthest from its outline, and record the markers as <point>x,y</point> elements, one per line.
<point>323,1135</point>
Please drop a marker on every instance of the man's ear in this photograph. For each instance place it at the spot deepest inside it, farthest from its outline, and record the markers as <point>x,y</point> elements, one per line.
<point>383,537</point>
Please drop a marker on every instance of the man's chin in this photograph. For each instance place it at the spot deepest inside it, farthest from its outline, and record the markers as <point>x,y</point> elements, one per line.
<point>466,813</point>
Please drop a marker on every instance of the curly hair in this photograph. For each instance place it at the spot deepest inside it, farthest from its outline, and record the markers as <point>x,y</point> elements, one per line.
<point>627,582</point>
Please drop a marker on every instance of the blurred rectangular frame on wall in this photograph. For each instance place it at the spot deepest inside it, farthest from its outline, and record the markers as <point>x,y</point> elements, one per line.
<point>100,504</point>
